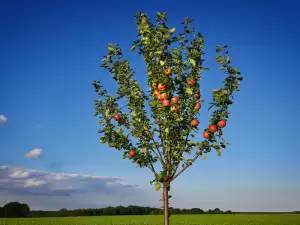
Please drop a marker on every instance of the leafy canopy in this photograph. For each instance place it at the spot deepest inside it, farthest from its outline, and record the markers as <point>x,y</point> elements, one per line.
<point>166,133</point>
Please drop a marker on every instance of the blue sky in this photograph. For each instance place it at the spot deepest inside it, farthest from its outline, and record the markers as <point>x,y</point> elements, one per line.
<point>50,55</point>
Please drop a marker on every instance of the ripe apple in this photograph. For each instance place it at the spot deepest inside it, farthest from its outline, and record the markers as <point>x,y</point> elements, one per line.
<point>131,153</point>
<point>156,92</point>
<point>191,82</point>
<point>166,102</point>
<point>153,85</point>
<point>164,96</point>
<point>195,122</point>
<point>168,72</point>
<point>174,108</point>
<point>198,105</point>
<point>212,128</point>
<point>161,87</point>
<point>205,134</point>
<point>222,123</point>
<point>117,116</point>
<point>159,97</point>
<point>175,99</point>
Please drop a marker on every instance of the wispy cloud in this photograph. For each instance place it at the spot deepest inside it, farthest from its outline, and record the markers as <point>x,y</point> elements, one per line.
<point>35,153</point>
<point>20,181</point>
<point>3,119</point>
<point>19,174</point>
<point>33,182</point>
<point>47,190</point>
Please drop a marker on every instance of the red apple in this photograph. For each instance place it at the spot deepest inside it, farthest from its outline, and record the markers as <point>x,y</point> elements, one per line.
<point>205,134</point>
<point>195,122</point>
<point>117,116</point>
<point>153,85</point>
<point>156,92</point>
<point>161,87</point>
<point>159,97</point>
<point>166,102</point>
<point>212,128</point>
<point>168,72</point>
<point>175,99</point>
<point>191,82</point>
<point>174,108</point>
<point>222,123</point>
<point>164,96</point>
<point>198,105</point>
<point>131,153</point>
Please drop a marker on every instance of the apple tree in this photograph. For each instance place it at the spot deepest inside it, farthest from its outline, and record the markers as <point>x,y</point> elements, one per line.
<point>163,137</point>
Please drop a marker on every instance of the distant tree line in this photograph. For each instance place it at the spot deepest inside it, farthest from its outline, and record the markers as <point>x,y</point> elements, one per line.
<point>16,209</point>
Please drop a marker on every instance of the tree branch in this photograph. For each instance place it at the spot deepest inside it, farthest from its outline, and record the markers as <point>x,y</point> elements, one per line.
<point>158,155</point>
<point>177,165</point>
<point>152,168</point>
<point>185,167</point>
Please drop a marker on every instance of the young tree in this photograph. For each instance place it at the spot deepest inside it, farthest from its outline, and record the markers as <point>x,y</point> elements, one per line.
<point>164,135</point>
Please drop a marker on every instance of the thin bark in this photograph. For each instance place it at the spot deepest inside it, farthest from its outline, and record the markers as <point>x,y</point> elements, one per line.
<point>158,155</point>
<point>187,166</point>
<point>177,164</point>
<point>166,203</point>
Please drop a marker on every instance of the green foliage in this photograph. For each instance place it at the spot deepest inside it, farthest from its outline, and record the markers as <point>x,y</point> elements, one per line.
<point>15,209</point>
<point>163,135</point>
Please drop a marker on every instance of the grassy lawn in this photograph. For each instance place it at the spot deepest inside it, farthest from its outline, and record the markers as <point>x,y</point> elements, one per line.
<point>152,220</point>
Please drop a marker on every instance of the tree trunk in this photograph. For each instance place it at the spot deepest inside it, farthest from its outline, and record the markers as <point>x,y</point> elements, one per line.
<point>166,203</point>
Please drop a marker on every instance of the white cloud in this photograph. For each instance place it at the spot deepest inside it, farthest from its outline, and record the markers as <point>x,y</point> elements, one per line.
<point>52,191</point>
<point>19,174</point>
<point>33,182</point>
<point>35,153</point>
<point>3,119</point>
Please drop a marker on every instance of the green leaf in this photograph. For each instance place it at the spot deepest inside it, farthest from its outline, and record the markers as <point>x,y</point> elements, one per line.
<point>219,58</point>
<point>193,63</point>
<point>162,63</point>
<point>110,48</point>
<point>189,91</point>
<point>228,59</point>
<point>107,113</point>
<point>152,181</point>
<point>167,130</point>
<point>112,144</point>
<point>159,176</point>
<point>189,160</point>
<point>120,130</point>
<point>172,30</point>
<point>224,92</point>
<point>152,103</point>
<point>132,48</point>
<point>219,48</point>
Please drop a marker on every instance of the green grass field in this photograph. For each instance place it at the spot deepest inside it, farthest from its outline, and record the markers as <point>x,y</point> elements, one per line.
<point>152,220</point>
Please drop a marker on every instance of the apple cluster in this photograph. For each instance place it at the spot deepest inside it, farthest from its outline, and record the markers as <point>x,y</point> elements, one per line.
<point>213,128</point>
<point>160,94</point>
